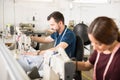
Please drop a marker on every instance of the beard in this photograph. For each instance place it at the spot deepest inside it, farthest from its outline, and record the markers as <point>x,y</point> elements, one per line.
<point>56,30</point>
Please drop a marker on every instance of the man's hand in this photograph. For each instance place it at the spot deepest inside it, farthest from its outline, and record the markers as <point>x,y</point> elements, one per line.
<point>41,52</point>
<point>32,53</point>
<point>32,38</point>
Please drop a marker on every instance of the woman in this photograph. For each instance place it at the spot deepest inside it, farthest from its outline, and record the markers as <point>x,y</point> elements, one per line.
<point>104,36</point>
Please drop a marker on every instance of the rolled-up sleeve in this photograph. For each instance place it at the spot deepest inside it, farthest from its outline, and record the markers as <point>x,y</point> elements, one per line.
<point>92,57</point>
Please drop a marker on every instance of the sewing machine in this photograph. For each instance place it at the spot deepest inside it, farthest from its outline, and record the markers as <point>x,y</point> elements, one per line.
<point>58,66</point>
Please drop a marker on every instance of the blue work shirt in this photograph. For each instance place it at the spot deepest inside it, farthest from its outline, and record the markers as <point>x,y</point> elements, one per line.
<point>67,36</point>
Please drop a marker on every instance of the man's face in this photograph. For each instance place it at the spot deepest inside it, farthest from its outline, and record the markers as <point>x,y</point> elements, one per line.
<point>53,25</point>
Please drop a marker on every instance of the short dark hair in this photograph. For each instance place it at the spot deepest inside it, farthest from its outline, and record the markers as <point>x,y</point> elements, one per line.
<point>57,16</point>
<point>104,30</point>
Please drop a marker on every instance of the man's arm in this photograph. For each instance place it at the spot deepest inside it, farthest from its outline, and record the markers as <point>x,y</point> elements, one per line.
<point>61,44</point>
<point>42,39</point>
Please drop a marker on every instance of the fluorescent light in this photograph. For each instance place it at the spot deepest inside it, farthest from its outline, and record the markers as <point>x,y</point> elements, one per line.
<point>90,1</point>
<point>43,0</point>
<point>37,0</point>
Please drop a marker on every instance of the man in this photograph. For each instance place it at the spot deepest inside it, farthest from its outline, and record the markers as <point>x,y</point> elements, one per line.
<point>62,36</point>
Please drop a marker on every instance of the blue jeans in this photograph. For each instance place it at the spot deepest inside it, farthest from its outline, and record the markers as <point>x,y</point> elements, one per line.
<point>28,62</point>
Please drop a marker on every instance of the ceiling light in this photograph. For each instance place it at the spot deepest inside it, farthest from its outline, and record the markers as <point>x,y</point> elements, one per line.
<point>36,0</point>
<point>90,1</point>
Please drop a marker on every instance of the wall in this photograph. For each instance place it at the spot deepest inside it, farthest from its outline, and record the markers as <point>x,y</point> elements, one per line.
<point>23,11</point>
<point>6,12</point>
<point>1,15</point>
<point>89,12</point>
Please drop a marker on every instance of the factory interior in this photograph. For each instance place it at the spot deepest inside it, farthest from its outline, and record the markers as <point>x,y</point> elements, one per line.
<point>21,19</point>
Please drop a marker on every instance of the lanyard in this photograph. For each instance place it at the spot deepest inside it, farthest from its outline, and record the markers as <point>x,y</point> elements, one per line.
<point>61,37</point>
<point>108,64</point>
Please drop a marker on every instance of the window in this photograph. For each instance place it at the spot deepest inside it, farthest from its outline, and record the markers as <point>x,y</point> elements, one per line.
<point>91,1</point>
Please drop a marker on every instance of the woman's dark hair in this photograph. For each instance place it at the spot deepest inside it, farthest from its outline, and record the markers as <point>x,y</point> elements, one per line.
<point>104,30</point>
<point>57,16</point>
